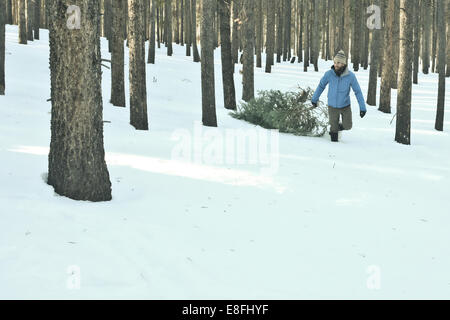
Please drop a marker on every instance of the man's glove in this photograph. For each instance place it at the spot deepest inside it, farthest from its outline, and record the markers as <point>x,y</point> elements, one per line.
<point>362,113</point>
<point>314,104</point>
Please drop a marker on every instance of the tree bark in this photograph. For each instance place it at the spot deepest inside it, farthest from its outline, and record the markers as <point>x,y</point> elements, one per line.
<point>439,125</point>
<point>279,30</point>
<point>196,55</point>
<point>37,18</point>
<point>187,27</point>
<point>151,47</point>
<point>22,22</point>
<point>3,18</point>
<point>248,80</point>
<point>117,54</point>
<point>207,64</point>
<point>270,35</point>
<point>416,41</point>
<point>136,43</point>
<point>403,125</point>
<point>356,42</point>
<point>30,14</point>
<point>168,24</point>
<point>235,34</point>
<point>229,93</point>
<point>76,162</point>
<point>426,29</point>
<point>259,38</point>
<point>387,75</point>
<point>374,60</point>
<point>307,30</point>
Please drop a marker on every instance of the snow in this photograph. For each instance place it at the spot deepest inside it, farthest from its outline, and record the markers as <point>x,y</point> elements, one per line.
<point>294,218</point>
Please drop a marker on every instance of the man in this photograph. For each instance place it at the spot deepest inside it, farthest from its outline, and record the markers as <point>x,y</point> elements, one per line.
<point>340,80</point>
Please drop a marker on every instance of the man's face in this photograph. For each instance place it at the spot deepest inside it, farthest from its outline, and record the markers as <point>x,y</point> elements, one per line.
<point>338,65</point>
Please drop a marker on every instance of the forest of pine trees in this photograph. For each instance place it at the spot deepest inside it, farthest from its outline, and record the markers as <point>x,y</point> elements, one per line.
<point>405,35</point>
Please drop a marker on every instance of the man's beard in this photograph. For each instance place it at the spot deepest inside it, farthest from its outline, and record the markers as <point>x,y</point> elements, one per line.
<point>340,70</point>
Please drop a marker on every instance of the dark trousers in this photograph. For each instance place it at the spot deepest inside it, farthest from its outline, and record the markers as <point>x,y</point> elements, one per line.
<point>334,115</point>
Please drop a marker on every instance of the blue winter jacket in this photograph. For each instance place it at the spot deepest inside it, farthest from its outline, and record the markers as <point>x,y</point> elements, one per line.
<point>339,89</point>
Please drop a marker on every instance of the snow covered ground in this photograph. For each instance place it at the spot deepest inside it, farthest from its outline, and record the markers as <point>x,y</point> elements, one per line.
<point>365,218</point>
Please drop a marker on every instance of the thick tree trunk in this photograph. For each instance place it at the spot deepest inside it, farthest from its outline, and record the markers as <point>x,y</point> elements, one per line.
<point>374,60</point>
<point>22,22</point>
<point>287,29</point>
<point>76,162</point>
<point>403,125</point>
<point>447,74</point>
<point>396,44</point>
<point>196,55</point>
<point>439,125</point>
<point>388,75</point>
<point>270,35</point>
<point>136,43</point>
<point>207,64</point>
<point>229,93</point>
<point>151,47</point>
<point>248,80</point>
<point>3,17</point>
<point>117,54</point>
<point>347,28</point>
<point>177,22</point>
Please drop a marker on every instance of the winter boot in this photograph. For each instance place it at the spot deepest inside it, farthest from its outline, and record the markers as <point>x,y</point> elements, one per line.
<point>334,136</point>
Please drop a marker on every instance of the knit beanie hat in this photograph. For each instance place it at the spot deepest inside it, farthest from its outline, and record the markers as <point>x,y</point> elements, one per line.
<point>340,57</point>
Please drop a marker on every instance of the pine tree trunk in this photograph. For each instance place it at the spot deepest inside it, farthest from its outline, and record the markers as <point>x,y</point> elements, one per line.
<point>426,29</point>
<point>439,125</point>
<point>300,34</point>
<point>374,60</point>
<point>76,162</point>
<point>151,47</point>
<point>315,34</point>
<point>136,43</point>
<point>403,125</point>
<point>347,28</point>
<point>270,35</point>
<point>259,25</point>
<point>248,80</point>
<point>434,36</point>
<point>307,31</point>
<point>9,12</point>
<point>177,22</point>
<point>416,26</point>
<point>37,18</point>
<point>229,93</point>
<point>279,30</point>
<point>207,64</point>
<point>356,44</point>
<point>117,54</point>
<point>3,18</point>
<point>447,74</point>
<point>396,45</point>
<point>196,55</point>
<point>287,28</point>
<point>187,26</point>
<point>168,24</point>
<point>30,14</point>
<point>388,74</point>
<point>22,22</point>
<point>182,22</point>
<point>235,34</point>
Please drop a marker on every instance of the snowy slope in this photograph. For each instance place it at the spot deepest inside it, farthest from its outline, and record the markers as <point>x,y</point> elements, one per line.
<point>366,218</point>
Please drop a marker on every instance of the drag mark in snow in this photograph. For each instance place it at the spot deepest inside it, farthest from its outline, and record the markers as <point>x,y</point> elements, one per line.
<point>178,168</point>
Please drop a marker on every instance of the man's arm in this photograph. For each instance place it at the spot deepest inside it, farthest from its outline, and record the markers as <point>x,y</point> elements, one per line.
<point>322,84</point>
<point>358,93</point>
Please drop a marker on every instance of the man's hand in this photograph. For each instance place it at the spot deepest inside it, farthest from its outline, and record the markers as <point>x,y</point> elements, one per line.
<point>362,113</point>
